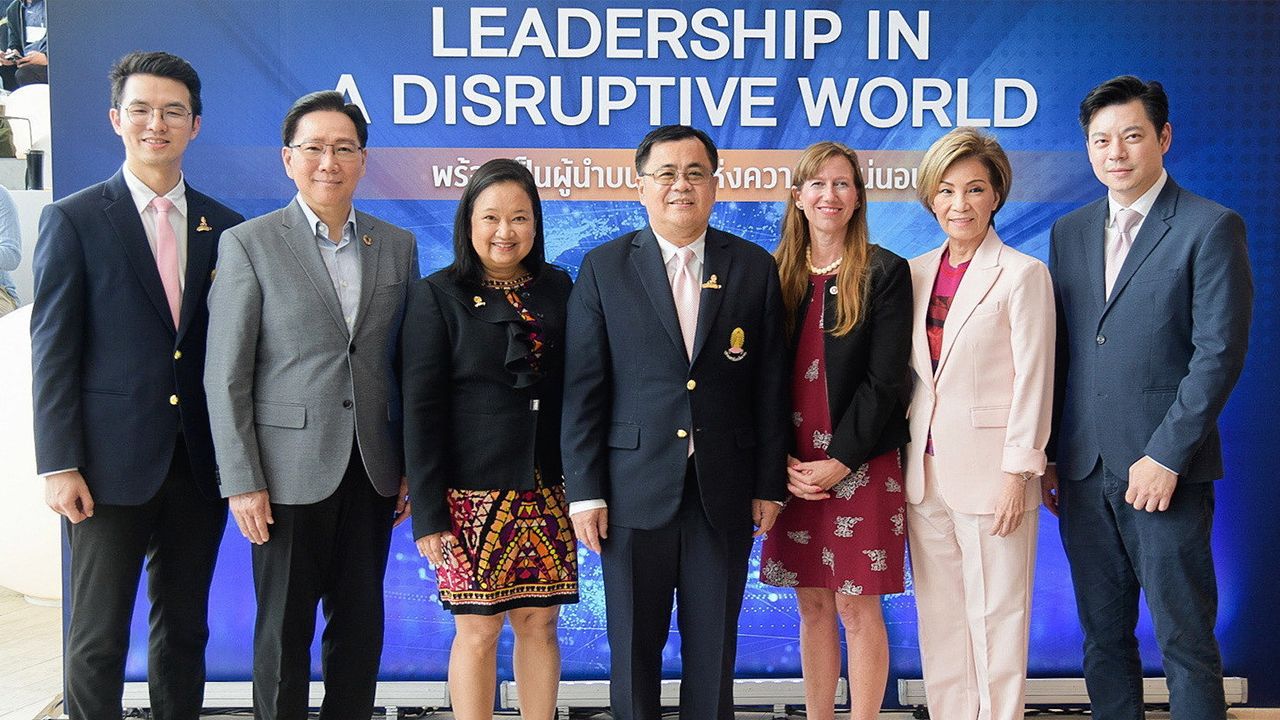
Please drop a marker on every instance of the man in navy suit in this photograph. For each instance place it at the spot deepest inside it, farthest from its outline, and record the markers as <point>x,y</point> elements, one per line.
<point>674,432</point>
<point>1154,301</point>
<point>122,269</point>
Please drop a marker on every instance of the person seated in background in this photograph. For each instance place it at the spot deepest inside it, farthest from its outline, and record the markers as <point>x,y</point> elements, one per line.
<point>10,252</point>
<point>25,60</point>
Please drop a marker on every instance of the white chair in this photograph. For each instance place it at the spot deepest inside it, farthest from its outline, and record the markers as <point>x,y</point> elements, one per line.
<point>30,532</point>
<point>31,102</point>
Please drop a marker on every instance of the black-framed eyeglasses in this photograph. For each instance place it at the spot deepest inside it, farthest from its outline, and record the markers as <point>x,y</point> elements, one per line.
<point>667,176</point>
<point>141,114</point>
<point>343,151</point>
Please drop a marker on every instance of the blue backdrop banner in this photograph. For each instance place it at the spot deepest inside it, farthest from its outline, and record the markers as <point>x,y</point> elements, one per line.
<point>571,88</point>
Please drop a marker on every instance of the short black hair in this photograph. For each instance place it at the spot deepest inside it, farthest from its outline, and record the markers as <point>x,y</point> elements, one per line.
<point>466,264</point>
<point>1124,89</point>
<point>325,100</point>
<point>161,64</point>
<point>670,133</point>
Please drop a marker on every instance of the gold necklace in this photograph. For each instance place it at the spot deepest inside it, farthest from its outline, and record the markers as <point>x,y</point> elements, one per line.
<point>506,284</point>
<point>826,269</point>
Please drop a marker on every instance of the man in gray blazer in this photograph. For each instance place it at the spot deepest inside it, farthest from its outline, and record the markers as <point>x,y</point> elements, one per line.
<point>1154,299</point>
<point>305,407</point>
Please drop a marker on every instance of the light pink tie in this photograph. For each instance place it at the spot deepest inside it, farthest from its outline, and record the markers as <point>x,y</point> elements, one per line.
<point>1118,250</point>
<point>685,289</point>
<point>167,256</point>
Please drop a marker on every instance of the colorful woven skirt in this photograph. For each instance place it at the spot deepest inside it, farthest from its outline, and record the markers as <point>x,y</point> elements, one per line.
<point>515,549</point>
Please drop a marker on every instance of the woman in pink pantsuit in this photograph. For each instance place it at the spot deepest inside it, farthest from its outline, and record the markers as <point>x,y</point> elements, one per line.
<point>982,365</point>
<point>840,541</point>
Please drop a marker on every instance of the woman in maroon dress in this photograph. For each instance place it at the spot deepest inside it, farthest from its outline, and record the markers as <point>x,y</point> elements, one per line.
<point>840,542</point>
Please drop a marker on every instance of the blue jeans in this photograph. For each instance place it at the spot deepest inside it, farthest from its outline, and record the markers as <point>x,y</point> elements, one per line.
<point>1115,550</point>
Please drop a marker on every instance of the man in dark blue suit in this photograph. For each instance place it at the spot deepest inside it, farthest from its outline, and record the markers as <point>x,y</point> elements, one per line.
<point>1154,299</point>
<point>674,432</point>
<point>122,269</point>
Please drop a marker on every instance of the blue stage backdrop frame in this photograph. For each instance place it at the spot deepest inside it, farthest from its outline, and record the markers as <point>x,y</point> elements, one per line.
<point>1218,60</point>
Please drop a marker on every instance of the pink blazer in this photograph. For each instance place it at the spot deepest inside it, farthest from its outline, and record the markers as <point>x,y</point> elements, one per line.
<point>990,401</point>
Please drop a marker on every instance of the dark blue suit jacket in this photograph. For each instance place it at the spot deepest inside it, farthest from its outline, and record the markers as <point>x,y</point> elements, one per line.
<point>629,386</point>
<point>1148,371</point>
<point>114,381</point>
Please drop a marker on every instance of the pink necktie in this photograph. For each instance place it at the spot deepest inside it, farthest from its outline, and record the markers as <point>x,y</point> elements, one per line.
<point>685,290</point>
<point>1119,248</point>
<point>167,256</point>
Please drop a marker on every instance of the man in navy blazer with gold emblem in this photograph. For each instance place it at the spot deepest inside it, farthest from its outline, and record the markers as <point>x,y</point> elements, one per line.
<point>121,429</point>
<point>674,427</point>
<point>1154,299</point>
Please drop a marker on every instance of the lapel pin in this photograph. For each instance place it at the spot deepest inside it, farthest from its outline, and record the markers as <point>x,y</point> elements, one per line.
<point>367,240</point>
<point>711,284</point>
<point>479,301</point>
<point>204,225</point>
<point>213,273</point>
<point>737,339</point>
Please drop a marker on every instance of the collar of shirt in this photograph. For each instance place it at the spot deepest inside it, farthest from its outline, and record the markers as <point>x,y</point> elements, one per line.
<point>1142,204</point>
<point>143,195</point>
<point>322,230</point>
<point>669,249</point>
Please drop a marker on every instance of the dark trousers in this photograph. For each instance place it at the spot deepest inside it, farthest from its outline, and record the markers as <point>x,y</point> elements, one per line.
<point>31,75</point>
<point>705,570</point>
<point>177,533</point>
<point>1115,551</point>
<point>333,552</point>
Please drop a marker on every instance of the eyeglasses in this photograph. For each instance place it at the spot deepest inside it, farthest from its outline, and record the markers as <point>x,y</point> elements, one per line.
<point>173,115</point>
<point>342,151</point>
<point>666,176</point>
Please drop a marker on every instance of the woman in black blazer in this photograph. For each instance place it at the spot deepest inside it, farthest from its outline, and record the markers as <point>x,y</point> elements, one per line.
<point>483,354</point>
<point>840,541</point>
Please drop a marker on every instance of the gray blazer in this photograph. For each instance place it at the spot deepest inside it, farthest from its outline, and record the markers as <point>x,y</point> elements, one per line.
<point>1147,371</point>
<point>289,387</point>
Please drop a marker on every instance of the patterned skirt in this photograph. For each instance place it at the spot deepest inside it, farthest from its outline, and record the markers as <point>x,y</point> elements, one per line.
<point>853,543</point>
<point>515,549</point>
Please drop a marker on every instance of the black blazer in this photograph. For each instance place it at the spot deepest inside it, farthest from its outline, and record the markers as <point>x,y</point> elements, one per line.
<point>476,416</point>
<point>114,382</point>
<point>633,396</point>
<point>868,383</point>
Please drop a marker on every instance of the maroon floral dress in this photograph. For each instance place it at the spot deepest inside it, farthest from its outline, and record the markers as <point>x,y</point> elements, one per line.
<point>853,542</point>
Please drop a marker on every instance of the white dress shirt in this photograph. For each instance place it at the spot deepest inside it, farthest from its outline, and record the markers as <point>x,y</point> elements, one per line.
<point>1142,206</point>
<point>142,197</point>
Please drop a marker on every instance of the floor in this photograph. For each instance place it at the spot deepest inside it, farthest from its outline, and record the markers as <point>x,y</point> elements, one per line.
<point>31,671</point>
<point>30,656</point>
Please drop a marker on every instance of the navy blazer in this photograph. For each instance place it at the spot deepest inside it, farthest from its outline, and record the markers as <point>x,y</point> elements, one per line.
<point>868,382</point>
<point>1148,371</point>
<point>114,381</point>
<point>476,415</point>
<point>632,395</point>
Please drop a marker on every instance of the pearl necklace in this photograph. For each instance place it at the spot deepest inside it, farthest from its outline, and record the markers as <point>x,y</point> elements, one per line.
<point>824,270</point>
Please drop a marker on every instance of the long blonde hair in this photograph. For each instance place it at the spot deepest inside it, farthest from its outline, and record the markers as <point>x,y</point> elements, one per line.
<point>793,267</point>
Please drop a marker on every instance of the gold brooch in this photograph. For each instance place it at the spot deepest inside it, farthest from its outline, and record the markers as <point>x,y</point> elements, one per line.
<point>479,301</point>
<point>711,284</point>
<point>737,339</point>
<point>204,225</point>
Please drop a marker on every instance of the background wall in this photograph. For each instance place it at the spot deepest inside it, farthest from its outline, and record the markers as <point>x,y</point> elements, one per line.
<point>1218,61</point>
